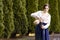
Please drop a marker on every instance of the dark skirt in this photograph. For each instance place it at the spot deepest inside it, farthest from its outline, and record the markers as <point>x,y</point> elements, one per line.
<point>41,34</point>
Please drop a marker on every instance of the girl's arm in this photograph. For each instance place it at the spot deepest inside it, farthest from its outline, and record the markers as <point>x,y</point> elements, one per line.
<point>35,15</point>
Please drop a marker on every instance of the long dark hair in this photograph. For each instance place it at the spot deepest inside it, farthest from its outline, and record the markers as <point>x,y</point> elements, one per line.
<point>45,6</point>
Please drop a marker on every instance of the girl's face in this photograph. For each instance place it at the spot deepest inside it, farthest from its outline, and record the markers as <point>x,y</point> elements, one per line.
<point>46,8</point>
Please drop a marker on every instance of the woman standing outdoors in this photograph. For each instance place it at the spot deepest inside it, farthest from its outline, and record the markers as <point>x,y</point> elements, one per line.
<point>42,22</point>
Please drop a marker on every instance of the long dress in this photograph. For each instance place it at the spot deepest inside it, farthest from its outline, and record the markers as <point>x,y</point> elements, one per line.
<point>42,34</point>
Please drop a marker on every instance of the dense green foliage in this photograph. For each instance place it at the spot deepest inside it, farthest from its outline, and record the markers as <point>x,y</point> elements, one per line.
<point>54,16</point>
<point>32,6</point>
<point>8,18</point>
<point>20,18</point>
<point>1,19</point>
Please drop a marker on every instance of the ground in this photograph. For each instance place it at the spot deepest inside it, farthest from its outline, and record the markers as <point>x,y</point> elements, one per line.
<point>52,37</point>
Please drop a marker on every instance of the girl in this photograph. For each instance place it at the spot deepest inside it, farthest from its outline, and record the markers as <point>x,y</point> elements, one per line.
<point>42,22</point>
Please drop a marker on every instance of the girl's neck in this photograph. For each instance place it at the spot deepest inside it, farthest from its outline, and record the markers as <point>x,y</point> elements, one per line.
<point>45,11</point>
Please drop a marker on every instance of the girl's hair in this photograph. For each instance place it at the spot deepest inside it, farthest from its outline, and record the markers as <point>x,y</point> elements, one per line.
<point>45,6</point>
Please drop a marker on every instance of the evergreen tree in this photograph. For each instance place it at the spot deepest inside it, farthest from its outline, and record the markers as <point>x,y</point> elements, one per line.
<point>1,19</point>
<point>8,18</point>
<point>59,13</point>
<point>31,6</point>
<point>54,15</point>
<point>46,1</point>
<point>40,4</point>
<point>20,20</point>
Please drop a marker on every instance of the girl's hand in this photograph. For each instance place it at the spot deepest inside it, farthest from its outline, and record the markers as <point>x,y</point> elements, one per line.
<point>36,22</point>
<point>42,27</point>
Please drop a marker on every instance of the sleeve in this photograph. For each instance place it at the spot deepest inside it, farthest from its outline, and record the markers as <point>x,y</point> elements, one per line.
<point>35,15</point>
<point>48,23</point>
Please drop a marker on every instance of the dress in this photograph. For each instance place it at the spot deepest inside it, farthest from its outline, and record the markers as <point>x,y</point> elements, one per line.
<point>42,34</point>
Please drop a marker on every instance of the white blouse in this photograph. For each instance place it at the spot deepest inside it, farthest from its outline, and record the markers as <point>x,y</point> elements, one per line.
<point>46,18</point>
